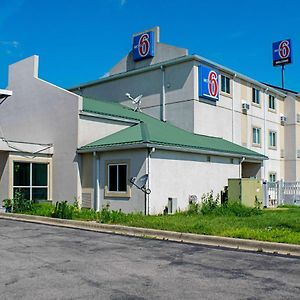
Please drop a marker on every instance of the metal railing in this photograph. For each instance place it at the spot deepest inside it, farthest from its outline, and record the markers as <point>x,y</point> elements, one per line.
<point>281,193</point>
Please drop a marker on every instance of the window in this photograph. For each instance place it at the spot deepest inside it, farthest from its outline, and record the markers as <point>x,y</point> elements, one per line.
<point>272,102</point>
<point>256,136</point>
<point>117,177</point>
<point>255,96</point>
<point>272,139</point>
<point>298,118</point>
<point>225,84</point>
<point>272,177</point>
<point>31,179</point>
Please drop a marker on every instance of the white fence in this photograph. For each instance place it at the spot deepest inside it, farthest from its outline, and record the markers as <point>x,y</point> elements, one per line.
<point>281,192</point>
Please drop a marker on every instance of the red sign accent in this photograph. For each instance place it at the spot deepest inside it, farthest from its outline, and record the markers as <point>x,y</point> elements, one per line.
<point>213,83</point>
<point>144,45</point>
<point>284,49</point>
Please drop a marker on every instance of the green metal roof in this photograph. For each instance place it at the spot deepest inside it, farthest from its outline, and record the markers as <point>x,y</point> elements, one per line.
<point>149,131</point>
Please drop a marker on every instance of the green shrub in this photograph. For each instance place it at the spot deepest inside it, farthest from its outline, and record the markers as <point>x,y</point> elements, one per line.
<point>86,214</point>
<point>42,209</point>
<point>8,203</point>
<point>20,204</point>
<point>63,210</point>
<point>235,208</point>
<point>209,203</point>
<point>193,208</point>
<point>108,216</point>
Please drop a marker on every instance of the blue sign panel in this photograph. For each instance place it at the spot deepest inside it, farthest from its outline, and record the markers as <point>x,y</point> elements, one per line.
<point>143,46</point>
<point>208,83</point>
<point>282,52</point>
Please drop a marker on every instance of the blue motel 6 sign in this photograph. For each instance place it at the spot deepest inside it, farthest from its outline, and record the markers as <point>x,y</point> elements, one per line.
<point>282,52</point>
<point>208,83</point>
<point>143,46</point>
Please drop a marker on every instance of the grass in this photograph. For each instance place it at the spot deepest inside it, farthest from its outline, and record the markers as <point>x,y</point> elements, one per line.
<point>274,225</point>
<point>86,215</point>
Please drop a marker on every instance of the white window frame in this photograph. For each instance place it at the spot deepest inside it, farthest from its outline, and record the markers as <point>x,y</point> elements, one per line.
<point>256,134</point>
<point>226,78</point>
<point>30,187</point>
<point>255,96</point>
<point>273,101</point>
<point>272,177</point>
<point>272,139</point>
<point>108,176</point>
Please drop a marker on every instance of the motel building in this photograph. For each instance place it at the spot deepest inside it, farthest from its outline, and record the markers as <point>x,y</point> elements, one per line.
<point>196,125</point>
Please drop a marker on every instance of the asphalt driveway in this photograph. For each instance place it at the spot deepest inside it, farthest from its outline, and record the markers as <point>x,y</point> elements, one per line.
<point>46,262</point>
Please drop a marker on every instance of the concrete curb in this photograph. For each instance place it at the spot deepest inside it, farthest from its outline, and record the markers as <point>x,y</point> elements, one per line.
<point>216,241</point>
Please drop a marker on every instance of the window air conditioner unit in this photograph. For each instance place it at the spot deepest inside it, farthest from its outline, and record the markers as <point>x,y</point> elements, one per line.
<point>245,107</point>
<point>282,120</point>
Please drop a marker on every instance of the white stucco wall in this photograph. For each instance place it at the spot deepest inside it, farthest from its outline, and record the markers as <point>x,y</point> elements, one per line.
<point>40,112</point>
<point>4,180</point>
<point>178,175</point>
<point>179,89</point>
<point>91,129</point>
<point>136,159</point>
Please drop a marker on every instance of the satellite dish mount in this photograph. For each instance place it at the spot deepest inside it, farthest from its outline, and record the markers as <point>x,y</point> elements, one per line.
<point>137,101</point>
<point>141,183</point>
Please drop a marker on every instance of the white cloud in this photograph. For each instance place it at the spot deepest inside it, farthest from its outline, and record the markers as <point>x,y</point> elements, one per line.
<point>13,44</point>
<point>10,47</point>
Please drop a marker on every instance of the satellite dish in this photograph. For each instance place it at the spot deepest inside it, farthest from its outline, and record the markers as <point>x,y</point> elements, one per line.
<point>136,101</point>
<point>141,183</point>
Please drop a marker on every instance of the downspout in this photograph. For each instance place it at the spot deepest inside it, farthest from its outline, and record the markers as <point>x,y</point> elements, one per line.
<point>150,151</point>
<point>232,109</point>
<point>163,95</point>
<point>240,170</point>
<point>98,182</point>
<point>265,137</point>
<point>96,168</point>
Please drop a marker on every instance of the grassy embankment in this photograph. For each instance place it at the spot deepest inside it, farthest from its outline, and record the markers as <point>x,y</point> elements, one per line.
<point>275,225</point>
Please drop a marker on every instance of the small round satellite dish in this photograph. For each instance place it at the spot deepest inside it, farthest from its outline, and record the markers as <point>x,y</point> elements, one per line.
<point>137,99</point>
<point>141,182</point>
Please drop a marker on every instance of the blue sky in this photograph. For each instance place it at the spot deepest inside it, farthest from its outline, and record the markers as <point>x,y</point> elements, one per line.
<point>79,41</point>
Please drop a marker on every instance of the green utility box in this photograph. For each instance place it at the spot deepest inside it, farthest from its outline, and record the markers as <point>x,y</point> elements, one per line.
<point>245,190</point>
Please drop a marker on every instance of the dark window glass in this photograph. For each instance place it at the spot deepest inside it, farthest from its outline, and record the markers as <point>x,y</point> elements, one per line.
<point>39,174</point>
<point>225,84</point>
<point>122,178</point>
<point>271,102</point>
<point>222,83</point>
<point>21,174</point>
<point>255,96</point>
<point>256,136</point>
<point>24,191</point>
<point>112,178</point>
<point>39,194</point>
<point>27,177</point>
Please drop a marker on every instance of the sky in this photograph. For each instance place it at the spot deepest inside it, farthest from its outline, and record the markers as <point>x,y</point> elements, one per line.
<point>79,41</point>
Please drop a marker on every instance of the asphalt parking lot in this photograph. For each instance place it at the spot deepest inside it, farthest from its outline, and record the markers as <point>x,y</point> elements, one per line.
<point>47,262</point>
